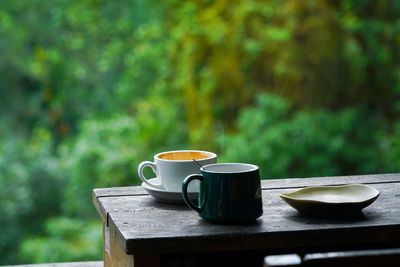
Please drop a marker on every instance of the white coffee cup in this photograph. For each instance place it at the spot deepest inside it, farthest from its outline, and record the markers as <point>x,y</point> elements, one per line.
<point>172,167</point>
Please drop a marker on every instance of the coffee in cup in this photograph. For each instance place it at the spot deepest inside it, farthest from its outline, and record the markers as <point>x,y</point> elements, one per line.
<point>173,166</point>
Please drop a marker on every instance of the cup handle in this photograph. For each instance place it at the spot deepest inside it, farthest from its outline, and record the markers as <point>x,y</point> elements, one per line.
<point>186,198</point>
<point>153,166</point>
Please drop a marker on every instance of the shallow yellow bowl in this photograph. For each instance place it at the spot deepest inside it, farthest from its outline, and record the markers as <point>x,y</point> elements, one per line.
<point>328,199</point>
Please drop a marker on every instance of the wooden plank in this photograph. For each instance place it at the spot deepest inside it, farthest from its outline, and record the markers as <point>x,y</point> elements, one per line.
<point>119,191</point>
<point>100,209</point>
<point>365,258</point>
<point>266,184</point>
<point>286,260</point>
<point>270,183</point>
<point>113,192</point>
<point>63,264</point>
<point>114,256</point>
<point>143,225</point>
<point>330,180</point>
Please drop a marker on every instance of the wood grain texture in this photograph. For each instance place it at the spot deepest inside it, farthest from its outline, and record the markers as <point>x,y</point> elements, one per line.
<point>116,257</point>
<point>265,184</point>
<point>365,258</point>
<point>330,180</point>
<point>142,225</point>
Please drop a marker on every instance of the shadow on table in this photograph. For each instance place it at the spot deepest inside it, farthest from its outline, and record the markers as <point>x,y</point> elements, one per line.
<point>329,217</point>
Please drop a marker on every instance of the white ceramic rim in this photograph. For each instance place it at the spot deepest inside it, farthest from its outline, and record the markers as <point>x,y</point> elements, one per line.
<point>250,167</point>
<point>212,155</point>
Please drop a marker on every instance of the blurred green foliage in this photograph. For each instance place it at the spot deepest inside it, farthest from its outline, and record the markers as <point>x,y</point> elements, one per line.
<point>90,88</point>
<point>308,143</point>
<point>67,240</point>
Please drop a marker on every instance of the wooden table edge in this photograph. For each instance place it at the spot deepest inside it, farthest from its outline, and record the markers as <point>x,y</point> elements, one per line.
<point>293,183</point>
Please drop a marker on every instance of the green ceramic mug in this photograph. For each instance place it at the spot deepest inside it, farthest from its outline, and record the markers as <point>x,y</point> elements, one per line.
<point>229,192</point>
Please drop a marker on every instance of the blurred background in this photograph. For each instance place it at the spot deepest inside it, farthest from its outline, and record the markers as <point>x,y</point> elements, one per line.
<point>90,88</point>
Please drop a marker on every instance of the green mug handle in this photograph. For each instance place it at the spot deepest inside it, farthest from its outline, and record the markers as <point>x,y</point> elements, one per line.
<point>186,198</point>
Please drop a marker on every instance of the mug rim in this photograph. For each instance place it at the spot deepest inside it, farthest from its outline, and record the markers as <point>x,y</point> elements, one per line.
<point>212,155</point>
<point>253,166</point>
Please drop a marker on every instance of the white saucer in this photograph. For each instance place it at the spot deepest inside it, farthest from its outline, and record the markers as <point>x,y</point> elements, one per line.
<point>167,196</point>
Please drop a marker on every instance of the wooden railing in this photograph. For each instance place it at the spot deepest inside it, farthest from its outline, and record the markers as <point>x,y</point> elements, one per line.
<point>64,264</point>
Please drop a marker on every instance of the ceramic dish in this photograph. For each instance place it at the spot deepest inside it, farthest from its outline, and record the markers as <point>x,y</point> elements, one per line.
<point>328,199</point>
<point>167,196</point>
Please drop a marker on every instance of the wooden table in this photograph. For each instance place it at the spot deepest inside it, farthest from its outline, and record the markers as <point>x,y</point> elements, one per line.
<point>140,231</point>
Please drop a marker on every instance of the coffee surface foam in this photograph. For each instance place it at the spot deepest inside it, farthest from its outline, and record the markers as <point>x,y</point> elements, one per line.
<point>184,155</point>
